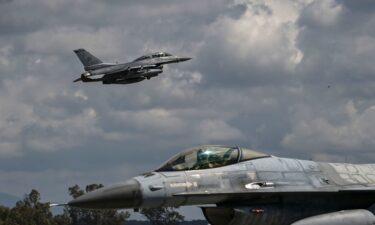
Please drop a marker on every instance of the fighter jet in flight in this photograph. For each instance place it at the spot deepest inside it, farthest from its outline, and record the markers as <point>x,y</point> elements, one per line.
<point>239,186</point>
<point>144,67</point>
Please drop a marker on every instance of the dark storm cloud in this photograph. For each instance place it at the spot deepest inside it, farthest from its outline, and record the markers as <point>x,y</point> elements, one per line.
<point>362,6</point>
<point>337,78</point>
<point>292,78</point>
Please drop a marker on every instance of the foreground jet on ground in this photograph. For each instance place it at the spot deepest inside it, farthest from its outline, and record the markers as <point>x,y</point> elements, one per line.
<point>239,186</point>
<point>141,68</point>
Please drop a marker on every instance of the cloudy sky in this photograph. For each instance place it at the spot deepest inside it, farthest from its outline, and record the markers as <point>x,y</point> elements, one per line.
<point>292,78</point>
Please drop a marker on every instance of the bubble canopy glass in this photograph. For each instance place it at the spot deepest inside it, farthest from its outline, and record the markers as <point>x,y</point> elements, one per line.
<point>153,55</point>
<point>209,156</point>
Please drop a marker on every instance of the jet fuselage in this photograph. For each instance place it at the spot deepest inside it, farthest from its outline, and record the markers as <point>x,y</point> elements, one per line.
<point>246,186</point>
<point>144,67</point>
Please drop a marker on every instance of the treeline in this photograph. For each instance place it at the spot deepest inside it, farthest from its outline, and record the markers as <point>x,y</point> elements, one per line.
<point>30,211</point>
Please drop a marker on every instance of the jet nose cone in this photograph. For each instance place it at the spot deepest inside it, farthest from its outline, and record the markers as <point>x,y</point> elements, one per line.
<point>182,59</point>
<point>124,195</point>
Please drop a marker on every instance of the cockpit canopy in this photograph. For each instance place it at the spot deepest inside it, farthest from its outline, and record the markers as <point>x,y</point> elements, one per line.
<point>208,157</point>
<point>153,55</point>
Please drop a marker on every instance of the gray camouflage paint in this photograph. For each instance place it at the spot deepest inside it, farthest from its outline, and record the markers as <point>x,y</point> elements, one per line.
<point>268,190</point>
<point>142,68</point>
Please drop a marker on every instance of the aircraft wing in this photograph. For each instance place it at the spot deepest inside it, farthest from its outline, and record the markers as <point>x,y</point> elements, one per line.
<point>128,70</point>
<point>141,67</point>
<point>131,73</point>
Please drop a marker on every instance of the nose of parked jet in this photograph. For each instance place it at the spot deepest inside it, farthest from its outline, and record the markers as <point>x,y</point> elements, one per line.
<point>124,195</point>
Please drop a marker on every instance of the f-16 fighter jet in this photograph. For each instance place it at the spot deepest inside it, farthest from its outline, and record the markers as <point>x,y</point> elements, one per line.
<point>141,68</point>
<point>239,186</point>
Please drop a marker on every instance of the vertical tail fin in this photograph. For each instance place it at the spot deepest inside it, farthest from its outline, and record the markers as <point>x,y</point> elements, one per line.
<point>86,57</point>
